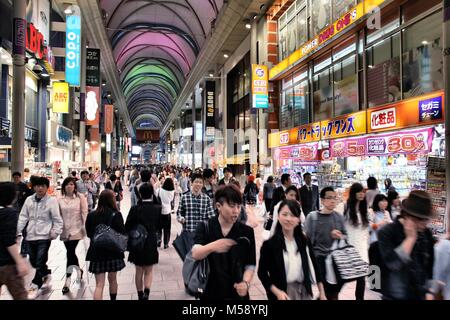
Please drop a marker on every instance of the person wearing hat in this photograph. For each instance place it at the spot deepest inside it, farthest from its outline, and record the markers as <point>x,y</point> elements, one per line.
<point>406,250</point>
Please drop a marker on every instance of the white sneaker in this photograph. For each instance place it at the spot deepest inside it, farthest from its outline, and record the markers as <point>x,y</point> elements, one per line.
<point>46,285</point>
<point>33,292</point>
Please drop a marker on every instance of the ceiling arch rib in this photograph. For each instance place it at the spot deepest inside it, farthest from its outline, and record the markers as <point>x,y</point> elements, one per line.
<point>153,62</point>
<point>150,96</point>
<point>146,117</point>
<point>156,69</point>
<point>152,78</point>
<point>148,109</point>
<point>143,87</point>
<point>148,100</point>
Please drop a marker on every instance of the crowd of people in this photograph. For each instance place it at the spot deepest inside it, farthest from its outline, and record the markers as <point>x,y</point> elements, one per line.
<point>303,228</point>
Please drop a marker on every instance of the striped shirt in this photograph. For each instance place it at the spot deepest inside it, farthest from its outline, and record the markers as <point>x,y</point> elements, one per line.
<point>194,209</point>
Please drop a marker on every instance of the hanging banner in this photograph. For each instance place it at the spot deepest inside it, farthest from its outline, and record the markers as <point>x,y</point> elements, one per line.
<point>348,125</point>
<point>406,142</point>
<point>423,110</point>
<point>73,47</point>
<point>260,86</point>
<point>93,67</point>
<point>60,101</point>
<point>92,105</point>
<point>305,152</point>
<point>210,99</point>
<point>109,119</point>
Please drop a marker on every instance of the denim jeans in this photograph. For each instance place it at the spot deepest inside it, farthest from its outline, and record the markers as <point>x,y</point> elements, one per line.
<point>38,251</point>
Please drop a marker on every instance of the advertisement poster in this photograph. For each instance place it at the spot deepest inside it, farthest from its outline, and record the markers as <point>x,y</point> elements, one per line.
<point>346,96</point>
<point>92,106</point>
<point>60,103</point>
<point>306,152</point>
<point>73,47</point>
<point>109,119</point>
<point>260,86</point>
<point>323,103</point>
<point>93,67</point>
<point>383,82</point>
<point>437,190</point>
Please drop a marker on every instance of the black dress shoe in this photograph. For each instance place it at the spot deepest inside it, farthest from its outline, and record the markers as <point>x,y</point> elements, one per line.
<point>65,290</point>
<point>166,246</point>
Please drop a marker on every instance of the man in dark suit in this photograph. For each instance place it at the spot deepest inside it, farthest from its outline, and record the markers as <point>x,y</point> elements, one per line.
<point>278,193</point>
<point>309,195</point>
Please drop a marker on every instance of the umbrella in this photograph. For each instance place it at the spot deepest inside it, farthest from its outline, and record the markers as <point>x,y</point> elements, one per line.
<point>183,244</point>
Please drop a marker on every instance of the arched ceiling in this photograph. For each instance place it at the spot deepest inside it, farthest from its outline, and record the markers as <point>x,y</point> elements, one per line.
<point>155,45</point>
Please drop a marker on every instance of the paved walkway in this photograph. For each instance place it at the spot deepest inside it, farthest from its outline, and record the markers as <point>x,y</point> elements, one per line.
<point>167,280</point>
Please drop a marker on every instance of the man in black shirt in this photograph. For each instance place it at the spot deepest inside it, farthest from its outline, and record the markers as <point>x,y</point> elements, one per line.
<point>22,190</point>
<point>229,247</point>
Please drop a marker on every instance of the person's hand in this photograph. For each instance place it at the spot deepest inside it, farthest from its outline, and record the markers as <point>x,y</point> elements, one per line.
<point>429,297</point>
<point>223,245</point>
<point>22,267</point>
<point>281,295</point>
<point>182,220</point>
<point>336,234</point>
<point>241,288</point>
<point>53,235</point>
<point>410,228</point>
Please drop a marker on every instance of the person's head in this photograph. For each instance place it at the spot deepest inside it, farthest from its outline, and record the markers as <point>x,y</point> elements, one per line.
<point>258,175</point>
<point>146,176</point>
<point>146,191</point>
<point>286,180</point>
<point>90,169</point>
<point>251,178</point>
<point>357,202</point>
<point>69,186</point>
<point>307,178</point>
<point>26,171</point>
<point>107,200</point>
<point>270,179</point>
<point>113,178</point>
<point>168,185</point>
<point>387,183</point>
<point>227,173</point>
<point>33,180</point>
<point>7,193</point>
<point>197,183</point>
<point>208,175</point>
<point>289,214</point>
<point>418,207</point>
<point>380,203</point>
<point>16,177</point>
<point>84,175</point>
<point>328,198</point>
<point>372,183</point>
<point>228,201</point>
<point>41,187</point>
<point>236,183</point>
<point>292,193</point>
<point>393,198</point>
<point>92,176</point>
<point>73,173</point>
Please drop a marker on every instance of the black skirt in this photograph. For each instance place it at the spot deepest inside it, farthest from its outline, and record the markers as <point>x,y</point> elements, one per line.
<point>97,267</point>
<point>148,256</point>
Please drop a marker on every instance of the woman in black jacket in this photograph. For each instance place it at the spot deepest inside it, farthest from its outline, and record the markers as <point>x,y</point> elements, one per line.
<point>287,266</point>
<point>105,261</point>
<point>147,214</point>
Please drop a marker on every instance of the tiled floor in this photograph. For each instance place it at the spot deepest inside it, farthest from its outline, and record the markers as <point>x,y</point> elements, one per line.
<point>167,280</point>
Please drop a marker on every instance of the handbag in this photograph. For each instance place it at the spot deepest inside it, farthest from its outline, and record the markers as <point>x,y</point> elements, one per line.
<point>137,238</point>
<point>107,239</point>
<point>347,263</point>
<point>196,272</point>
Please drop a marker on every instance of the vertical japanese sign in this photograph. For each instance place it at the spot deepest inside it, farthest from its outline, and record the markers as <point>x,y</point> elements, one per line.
<point>260,86</point>
<point>210,100</point>
<point>73,47</point>
<point>60,97</point>
<point>109,118</point>
<point>19,37</point>
<point>92,105</point>
<point>93,67</point>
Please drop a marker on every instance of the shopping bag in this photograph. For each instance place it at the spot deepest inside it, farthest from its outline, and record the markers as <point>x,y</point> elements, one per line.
<point>183,244</point>
<point>347,263</point>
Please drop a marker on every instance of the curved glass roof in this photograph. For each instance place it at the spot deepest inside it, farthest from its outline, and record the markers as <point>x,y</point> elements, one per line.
<point>155,45</point>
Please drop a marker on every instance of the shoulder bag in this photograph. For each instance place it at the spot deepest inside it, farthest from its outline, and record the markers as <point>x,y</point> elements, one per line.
<point>107,239</point>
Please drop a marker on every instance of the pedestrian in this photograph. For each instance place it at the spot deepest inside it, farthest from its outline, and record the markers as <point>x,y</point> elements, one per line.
<point>309,195</point>
<point>406,249</point>
<point>166,196</point>
<point>372,186</point>
<point>268,189</point>
<point>184,182</point>
<point>146,214</point>
<point>251,191</point>
<point>74,209</point>
<point>208,184</point>
<point>102,261</point>
<point>88,188</point>
<point>22,191</point>
<point>357,226</point>
<point>287,265</point>
<point>97,193</point>
<point>441,270</point>
<point>13,267</point>
<point>116,186</point>
<point>388,186</point>
<point>41,213</point>
<point>228,176</point>
<point>279,193</point>
<point>394,204</point>
<point>323,227</point>
<point>229,247</point>
<point>379,216</point>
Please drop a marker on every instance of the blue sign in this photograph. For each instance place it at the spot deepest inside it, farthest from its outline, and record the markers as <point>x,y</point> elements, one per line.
<point>260,101</point>
<point>64,136</point>
<point>430,109</point>
<point>73,49</point>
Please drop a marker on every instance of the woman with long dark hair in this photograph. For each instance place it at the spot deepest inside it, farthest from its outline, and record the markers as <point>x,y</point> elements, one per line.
<point>115,185</point>
<point>394,204</point>
<point>74,210</point>
<point>357,225</point>
<point>103,262</point>
<point>287,265</point>
<point>166,195</point>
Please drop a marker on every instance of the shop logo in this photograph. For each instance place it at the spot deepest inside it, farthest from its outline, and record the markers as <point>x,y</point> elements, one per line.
<point>260,72</point>
<point>385,118</point>
<point>284,138</point>
<point>430,109</point>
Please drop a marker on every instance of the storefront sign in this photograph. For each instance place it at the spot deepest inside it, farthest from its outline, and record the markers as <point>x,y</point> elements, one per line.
<point>343,126</point>
<point>419,111</point>
<point>92,105</point>
<point>305,152</point>
<point>145,136</point>
<point>406,142</point>
<point>19,37</point>
<point>73,47</point>
<point>260,86</point>
<point>309,133</point>
<point>93,67</point>
<point>109,118</point>
<point>210,98</point>
<point>60,97</point>
<point>64,136</point>
<point>108,143</point>
<point>35,42</point>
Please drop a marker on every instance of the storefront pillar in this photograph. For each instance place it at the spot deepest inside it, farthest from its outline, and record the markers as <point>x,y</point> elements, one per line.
<point>42,121</point>
<point>446,68</point>
<point>82,97</point>
<point>18,108</point>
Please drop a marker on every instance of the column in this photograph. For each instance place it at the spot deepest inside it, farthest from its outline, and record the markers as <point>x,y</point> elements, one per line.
<point>82,100</point>
<point>446,66</point>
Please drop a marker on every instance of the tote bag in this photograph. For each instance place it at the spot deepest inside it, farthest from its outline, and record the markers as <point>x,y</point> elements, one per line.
<point>346,262</point>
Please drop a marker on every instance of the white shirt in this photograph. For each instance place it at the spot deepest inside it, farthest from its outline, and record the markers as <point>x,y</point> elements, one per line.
<point>292,262</point>
<point>166,199</point>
